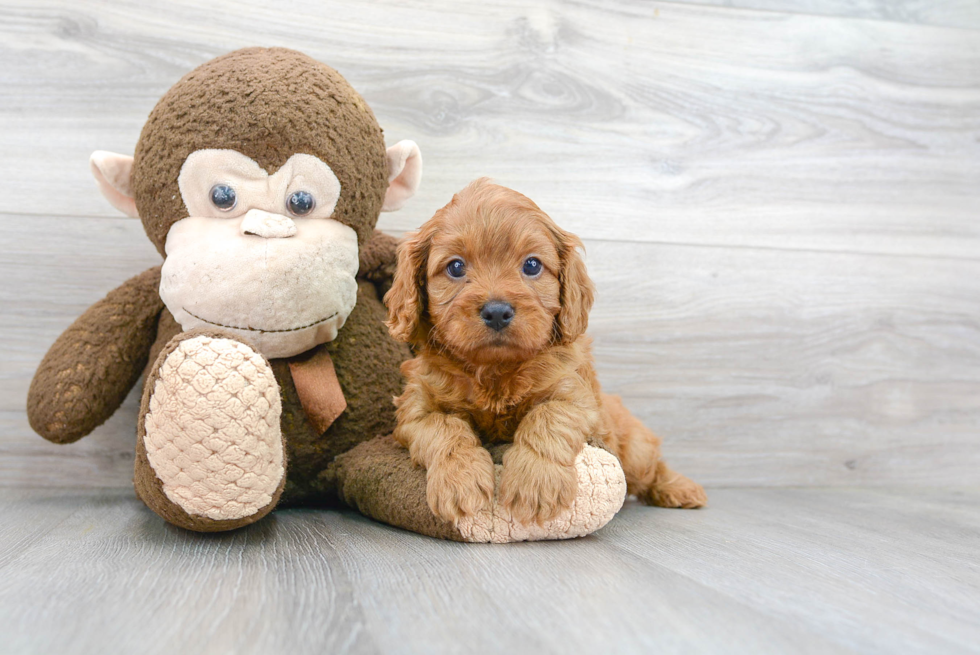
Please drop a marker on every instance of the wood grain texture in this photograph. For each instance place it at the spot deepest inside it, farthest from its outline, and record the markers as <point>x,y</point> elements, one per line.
<point>761,571</point>
<point>627,120</point>
<point>111,575</point>
<point>962,14</point>
<point>773,367</point>
<point>534,598</point>
<point>875,571</point>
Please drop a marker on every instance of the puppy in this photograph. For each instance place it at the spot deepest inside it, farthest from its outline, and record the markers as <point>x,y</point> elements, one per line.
<point>494,299</point>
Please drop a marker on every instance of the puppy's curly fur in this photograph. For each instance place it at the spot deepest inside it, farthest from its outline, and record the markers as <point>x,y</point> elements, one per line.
<point>531,382</point>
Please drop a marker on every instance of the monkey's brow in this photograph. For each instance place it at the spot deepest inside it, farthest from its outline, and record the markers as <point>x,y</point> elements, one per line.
<point>260,330</point>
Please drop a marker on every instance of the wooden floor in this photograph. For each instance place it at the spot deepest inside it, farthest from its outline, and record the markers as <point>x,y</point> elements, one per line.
<point>780,201</point>
<point>759,571</point>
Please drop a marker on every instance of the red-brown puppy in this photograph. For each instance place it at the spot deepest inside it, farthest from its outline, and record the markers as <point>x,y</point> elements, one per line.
<point>495,299</point>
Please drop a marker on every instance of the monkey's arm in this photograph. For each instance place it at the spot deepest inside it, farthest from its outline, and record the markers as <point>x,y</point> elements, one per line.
<point>95,362</point>
<point>377,261</point>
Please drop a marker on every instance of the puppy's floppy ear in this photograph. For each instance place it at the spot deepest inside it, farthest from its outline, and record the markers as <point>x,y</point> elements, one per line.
<point>407,298</point>
<point>577,290</point>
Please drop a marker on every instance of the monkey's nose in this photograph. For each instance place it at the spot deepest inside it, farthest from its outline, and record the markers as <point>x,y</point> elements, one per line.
<point>267,225</point>
<point>497,315</point>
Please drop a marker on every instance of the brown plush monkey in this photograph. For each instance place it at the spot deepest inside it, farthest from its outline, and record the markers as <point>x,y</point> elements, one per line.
<point>269,373</point>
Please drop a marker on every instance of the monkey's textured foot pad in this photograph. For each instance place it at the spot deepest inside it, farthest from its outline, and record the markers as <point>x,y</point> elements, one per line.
<point>601,492</point>
<point>210,435</point>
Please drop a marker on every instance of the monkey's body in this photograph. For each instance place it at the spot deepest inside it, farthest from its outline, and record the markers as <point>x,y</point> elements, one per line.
<point>366,359</point>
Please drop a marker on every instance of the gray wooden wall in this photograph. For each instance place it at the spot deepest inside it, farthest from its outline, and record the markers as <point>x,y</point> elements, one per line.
<point>780,201</point>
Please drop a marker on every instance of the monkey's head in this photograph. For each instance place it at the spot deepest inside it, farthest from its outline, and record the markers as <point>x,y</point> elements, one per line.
<point>257,176</point>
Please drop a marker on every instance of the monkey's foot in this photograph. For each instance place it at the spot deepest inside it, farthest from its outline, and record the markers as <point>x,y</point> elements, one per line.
<point>210,453</point>
<point>601,492</point>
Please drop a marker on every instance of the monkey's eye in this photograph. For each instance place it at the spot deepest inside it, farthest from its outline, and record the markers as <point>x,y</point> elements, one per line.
<point>456,268</point>
<point>532,267</point>
<point>223,197</point>
<point>301,203</point>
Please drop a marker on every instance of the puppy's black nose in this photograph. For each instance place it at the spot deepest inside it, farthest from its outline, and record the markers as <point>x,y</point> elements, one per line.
<point>497,315</point>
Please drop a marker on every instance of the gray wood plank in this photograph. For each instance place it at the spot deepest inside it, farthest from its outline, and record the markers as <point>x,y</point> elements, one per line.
<point>114,577</point>
<point>626,120</point>
<point>577,596</point>
<point>26,515</point>
<point>874,570</point>
<point>962,14</point>
<point>775,368</point>
<point>776,570</point>
<point>759,367</point>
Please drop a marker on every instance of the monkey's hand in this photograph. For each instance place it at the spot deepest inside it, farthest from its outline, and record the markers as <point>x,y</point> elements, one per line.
<point>95,362</point>
<point>377,261</point>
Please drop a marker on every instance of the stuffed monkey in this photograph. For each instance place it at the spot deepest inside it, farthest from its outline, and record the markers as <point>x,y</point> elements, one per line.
<point>268,371</point>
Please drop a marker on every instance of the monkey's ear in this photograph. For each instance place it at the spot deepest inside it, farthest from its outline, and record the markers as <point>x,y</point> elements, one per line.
<point>112,173</point>
<point>404,174</point>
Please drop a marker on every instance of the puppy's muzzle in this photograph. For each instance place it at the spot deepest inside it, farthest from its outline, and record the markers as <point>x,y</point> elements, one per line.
<point>497,315</point>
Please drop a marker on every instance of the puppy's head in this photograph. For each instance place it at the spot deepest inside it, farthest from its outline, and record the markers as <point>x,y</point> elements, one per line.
<point>490,278</point>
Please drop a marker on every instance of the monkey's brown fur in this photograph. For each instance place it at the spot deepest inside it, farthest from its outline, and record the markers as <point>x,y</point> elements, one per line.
<point>205,109</point>
<point>304,107</point>
<point>531,383</point>
<point>95,362</point>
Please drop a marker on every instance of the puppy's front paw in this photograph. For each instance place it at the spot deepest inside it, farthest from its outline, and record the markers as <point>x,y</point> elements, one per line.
<point>533,488</point>
<point>460,485</point>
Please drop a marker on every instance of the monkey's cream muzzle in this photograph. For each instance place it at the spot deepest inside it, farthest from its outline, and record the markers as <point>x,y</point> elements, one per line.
<point>284,295</point>
<point>286,284</point>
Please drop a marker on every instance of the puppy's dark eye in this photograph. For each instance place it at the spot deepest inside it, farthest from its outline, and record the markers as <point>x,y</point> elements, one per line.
<point>456,268</point>
<point>301,203</point>
<point>532,267</point>
<point>223,197</point>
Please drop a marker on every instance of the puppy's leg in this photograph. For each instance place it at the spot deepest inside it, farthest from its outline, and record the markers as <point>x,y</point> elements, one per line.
<point>538,479</point>
<point>647,475</point>
<point>459,470</point>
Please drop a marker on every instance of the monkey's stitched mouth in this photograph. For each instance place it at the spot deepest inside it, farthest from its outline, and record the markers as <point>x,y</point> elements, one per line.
<point>252,329</point>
